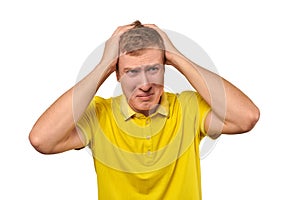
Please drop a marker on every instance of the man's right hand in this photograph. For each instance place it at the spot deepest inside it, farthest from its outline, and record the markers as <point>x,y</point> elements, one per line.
<point>55,131</point>
<point>111,50</point>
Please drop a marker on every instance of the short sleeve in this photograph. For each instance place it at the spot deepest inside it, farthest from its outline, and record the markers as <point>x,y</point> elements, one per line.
<point>88,122</point>
<point>197,109</point>
<point>204,109</point>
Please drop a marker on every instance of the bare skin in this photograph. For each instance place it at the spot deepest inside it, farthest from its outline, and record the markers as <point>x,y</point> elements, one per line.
<point>142,79</point>
<point>55,131</point>
<point>234,113</point>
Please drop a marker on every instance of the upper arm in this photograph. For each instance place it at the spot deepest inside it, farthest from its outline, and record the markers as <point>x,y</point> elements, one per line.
<point>74,140</point>
<point>44,145</point>
<point>215,126</point>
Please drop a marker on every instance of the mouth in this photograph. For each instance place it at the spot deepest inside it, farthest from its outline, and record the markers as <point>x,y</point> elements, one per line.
<point>145,97</point>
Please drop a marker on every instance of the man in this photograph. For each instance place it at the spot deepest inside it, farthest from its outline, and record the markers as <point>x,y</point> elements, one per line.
<point>145,143</point>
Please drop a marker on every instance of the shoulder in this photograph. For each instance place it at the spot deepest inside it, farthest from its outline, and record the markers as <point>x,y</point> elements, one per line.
<point>182,95</point>
<point>100,105</point>
<point>100,101</point>
<point>186,100</point>
<point>191,101</point>
<point>188,96</point>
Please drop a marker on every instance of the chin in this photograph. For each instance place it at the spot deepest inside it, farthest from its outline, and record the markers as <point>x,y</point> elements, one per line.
<point>144,106</point>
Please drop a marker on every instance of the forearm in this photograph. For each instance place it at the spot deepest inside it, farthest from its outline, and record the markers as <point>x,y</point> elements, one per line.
<point>205,82</point>
<point>229,104</point>
<point>57,123</point>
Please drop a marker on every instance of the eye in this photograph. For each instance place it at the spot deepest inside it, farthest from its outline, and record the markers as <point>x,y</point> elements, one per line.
<point>153,69</point>
<point>132,72</point>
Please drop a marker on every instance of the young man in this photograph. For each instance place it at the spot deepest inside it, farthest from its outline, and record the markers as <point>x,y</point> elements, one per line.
<point>145,143</point>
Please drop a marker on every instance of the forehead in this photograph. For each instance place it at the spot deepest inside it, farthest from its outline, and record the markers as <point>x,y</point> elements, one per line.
<point>141,58</point>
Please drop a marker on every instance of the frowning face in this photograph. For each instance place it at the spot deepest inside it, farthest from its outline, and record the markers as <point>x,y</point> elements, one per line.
<point>142,78</point>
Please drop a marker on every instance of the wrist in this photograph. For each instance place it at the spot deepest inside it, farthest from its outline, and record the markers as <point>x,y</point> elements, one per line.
<point>175,59</point>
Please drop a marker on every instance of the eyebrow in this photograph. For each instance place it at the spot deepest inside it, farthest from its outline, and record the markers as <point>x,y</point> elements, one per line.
<point>145,66</point>
<point>131,68</point>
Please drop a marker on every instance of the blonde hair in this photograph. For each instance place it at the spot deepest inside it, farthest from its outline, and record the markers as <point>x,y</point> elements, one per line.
<point>138,38</point>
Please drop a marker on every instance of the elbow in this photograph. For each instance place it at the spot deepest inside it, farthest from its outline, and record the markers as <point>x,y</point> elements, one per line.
<point>251,118</point>
<point>38,143</point>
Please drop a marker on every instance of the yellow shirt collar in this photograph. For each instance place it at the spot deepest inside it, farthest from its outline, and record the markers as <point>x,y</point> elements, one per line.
<point>128,112</point>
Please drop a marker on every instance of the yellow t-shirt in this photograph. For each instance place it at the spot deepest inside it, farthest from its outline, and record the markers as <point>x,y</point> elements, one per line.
<point>152,157</point>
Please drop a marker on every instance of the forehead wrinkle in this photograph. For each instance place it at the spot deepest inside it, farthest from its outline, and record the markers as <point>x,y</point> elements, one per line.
<point>149,57</point>
<point>143,66</point>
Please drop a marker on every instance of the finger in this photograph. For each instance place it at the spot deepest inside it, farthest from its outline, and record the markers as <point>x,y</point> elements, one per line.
<point>122,29</point>
<point>151,26</point>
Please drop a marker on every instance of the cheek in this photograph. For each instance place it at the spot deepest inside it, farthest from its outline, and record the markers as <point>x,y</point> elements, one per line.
<point>128,86</point>
<point>158,79</point>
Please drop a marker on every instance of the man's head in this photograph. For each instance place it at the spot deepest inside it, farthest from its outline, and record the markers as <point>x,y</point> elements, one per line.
<point>140,68</point>
<point>139,37</point>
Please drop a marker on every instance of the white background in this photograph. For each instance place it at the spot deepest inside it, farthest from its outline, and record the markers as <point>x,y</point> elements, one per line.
<point>254,44</point>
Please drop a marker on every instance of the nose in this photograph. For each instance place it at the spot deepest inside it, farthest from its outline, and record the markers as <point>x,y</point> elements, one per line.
<point>145,84</point>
